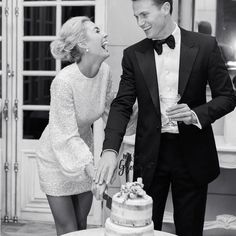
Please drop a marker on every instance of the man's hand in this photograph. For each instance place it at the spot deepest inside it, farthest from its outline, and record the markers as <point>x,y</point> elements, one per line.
<point>106,167</point>
<point>181,112</point>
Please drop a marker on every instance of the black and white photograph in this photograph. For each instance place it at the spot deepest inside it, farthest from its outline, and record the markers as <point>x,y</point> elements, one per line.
<point>117,117</point>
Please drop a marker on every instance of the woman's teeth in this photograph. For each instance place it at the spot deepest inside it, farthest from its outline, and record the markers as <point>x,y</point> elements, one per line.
<point>104,46</point>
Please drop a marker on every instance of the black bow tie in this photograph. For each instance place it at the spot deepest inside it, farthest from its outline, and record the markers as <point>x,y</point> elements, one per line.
<point>157,44</point>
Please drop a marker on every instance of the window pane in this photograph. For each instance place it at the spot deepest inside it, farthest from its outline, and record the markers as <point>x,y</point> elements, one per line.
<point>65,63</point>
<point>37,90</point>
<point>0,55</point>
<point>68,12</point>
<point>232,73</point>
<point>2,106</point>
<point>0,87</point>
<point>0,21</point>
<point>34,123</point>
<point>226,28</point>
<point>38,0</point>
<point>39,20</point>
<point>37,56</point>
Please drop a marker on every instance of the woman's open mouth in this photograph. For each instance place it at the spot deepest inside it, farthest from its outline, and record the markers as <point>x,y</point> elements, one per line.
<point>104,45</point>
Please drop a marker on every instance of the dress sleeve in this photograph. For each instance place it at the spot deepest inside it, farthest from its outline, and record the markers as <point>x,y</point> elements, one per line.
<point>69,148</point>
<point>110,95</point>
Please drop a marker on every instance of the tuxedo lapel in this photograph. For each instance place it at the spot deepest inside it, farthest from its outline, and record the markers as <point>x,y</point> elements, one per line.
<point>147,65</point>
<point>146,62</point>
<point>188,53</point>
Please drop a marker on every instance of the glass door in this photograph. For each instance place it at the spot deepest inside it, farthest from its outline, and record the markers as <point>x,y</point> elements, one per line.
<point>1,108</point>
<point>5,85</point>
<point>35,24</point>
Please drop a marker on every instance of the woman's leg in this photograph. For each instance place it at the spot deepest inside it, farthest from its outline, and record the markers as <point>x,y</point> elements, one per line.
<point>63,213</point>
<point>82,204</point>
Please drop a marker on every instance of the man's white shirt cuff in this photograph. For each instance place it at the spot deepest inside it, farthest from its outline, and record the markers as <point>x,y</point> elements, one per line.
<point>111,150</point>
<point>198,124</point>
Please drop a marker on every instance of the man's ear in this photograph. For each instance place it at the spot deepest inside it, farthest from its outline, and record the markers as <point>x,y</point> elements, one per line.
<point>166,8</point>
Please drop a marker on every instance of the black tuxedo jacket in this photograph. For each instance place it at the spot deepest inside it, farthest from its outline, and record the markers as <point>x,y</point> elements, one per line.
<point>201,64</point>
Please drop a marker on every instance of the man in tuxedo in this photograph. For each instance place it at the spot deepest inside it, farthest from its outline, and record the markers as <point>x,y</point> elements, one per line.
<point>170,61</point>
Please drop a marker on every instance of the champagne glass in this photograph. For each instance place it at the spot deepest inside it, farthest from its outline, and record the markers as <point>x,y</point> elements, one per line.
<point>168,101</point>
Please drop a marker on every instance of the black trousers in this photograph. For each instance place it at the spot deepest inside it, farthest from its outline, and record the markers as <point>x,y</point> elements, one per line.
<point>189,199</point>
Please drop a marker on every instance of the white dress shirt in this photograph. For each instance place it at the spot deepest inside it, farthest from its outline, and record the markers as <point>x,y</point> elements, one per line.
<point>167,67</point>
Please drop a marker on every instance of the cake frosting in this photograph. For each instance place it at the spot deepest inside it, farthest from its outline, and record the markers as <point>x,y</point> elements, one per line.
<point>131,212</point>
<point>112,229</point>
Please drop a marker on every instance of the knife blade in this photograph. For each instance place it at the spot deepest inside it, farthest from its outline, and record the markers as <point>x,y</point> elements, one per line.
<point>127,166</point>
<point>108,200</point>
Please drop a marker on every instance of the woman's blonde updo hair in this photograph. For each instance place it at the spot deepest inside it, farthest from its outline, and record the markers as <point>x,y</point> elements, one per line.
<point>65,47</point>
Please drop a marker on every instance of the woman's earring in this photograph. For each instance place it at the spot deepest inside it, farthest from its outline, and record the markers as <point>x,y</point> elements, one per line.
<point>86,50</point>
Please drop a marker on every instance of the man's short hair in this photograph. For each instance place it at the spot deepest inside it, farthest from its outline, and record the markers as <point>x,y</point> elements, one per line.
<point>204,27</point>
<point>161,2</point>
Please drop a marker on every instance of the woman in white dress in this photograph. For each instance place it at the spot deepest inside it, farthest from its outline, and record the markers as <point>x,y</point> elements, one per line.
<point>80,94</point>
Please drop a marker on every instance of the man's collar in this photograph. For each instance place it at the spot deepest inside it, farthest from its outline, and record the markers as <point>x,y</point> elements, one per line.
<point>176,33</point>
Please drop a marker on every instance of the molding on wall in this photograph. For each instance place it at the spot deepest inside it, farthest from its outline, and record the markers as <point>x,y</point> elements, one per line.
<point>227,153</point>
<point>222,221</point>
<point>33,203</point>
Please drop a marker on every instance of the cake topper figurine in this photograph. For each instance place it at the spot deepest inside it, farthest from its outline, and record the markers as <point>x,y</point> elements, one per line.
<point>127,166</point>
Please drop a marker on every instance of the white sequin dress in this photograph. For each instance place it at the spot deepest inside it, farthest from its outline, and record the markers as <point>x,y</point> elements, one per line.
<point>66,144</point>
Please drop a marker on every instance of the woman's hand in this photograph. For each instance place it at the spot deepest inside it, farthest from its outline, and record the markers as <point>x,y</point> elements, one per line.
<point>90,170</point>
<point>98,190</point>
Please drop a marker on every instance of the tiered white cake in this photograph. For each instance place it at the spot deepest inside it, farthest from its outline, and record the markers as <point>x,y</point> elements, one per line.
<point>131,212</point>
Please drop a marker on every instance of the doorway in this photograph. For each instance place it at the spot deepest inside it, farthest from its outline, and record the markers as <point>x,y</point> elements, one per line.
<point>26,71</point>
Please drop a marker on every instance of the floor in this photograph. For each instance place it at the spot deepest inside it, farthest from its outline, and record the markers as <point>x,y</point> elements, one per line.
<point>213,232</point>
<point>46,229</point>
<point>28,229</point>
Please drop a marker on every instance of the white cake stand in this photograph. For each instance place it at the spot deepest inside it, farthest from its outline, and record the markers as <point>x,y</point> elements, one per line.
<point>100,232</point>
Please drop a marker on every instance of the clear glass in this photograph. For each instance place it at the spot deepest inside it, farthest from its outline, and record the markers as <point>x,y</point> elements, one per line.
<point>34,122</point>
<point>1,102</point>
<point>37,56</point>
<point>36,90</point>
<point>0,55</point>
<point>225,28</point>
<point>1,81</point>
<point>65,63</point>
<point>38,0</point>
<point>1,106</point>
<point>71,11</point>
<point>0,41</point>
<point>40,20</point>
<point>0,21</point>
<point>168,101</point>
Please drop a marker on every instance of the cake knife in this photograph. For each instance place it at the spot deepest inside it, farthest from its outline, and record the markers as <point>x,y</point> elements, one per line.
<point>108,200</point>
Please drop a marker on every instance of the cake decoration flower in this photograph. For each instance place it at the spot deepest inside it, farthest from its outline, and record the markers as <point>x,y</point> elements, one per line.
<point>132,190</point>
